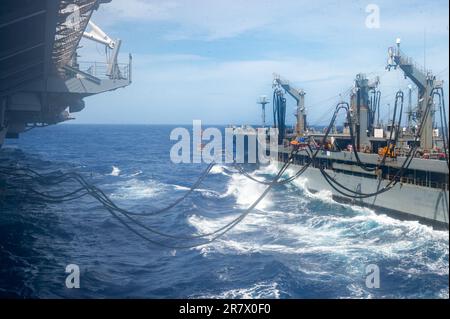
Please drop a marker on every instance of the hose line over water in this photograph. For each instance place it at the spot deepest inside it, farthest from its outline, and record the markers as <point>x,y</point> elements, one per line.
<point>128,218</point>
<point>121,214</point>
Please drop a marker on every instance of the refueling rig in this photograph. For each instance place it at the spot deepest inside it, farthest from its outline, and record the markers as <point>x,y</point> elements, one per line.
<point>397,168</point>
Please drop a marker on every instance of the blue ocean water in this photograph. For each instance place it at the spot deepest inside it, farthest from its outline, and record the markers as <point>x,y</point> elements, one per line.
<point>294,245</point>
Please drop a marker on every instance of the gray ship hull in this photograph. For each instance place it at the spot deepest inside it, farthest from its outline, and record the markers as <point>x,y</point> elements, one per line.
<point>41,80</point>
<point>404,201</point>
<point>2,136</point>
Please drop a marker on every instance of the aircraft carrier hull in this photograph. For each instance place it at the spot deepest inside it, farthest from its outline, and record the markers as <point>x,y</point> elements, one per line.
<point>404,201</point>
<point>42,82</point>
<point>2,136</point>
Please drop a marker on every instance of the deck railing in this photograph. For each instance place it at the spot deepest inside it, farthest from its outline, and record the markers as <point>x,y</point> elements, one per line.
<point>100,70</point>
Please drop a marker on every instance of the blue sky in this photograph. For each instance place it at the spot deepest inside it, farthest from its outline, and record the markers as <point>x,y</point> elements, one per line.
<point>210,60</point>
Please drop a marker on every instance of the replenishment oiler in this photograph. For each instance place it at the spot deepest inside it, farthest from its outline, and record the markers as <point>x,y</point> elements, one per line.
<point>395,168</point>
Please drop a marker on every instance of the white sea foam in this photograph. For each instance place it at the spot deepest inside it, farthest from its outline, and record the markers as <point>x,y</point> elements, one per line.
<point>325,196</point>
<point>356,239</point>
<point>357,291</point>
<point>219,169</point>
<point>444,294</point>
<point>262,290</point>
<point>246,192</point>
<point>205,192</point>
<point>136,173</point>
<point>180,188</point>
<point>271,169</point>
<point>136,189</point>
<point>115,171</point>
<point>351,237</point>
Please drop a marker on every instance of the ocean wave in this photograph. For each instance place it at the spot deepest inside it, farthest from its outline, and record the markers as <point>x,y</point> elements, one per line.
<point>137,173</point>
<point>246,192</point>
<point>220,169</point>
<point>377,237</point>
<point>296,244</point>
<point>135,189</point>
<point>205,192</point>
<point>115,171</point>
<point>262,290</point>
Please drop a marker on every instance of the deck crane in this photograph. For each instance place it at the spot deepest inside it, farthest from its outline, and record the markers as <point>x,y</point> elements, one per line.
<point>97,35</point>
<point>299,97</point>
<point>425,81</point>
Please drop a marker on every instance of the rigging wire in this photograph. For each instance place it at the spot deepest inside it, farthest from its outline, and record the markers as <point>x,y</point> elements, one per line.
<point>399,97</point>
<point>338,107</point>
<point>443,119</point>
<point>406,163</point>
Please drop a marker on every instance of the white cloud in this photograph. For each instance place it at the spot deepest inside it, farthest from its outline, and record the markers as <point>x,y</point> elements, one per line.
<point>218,19</point>
<point>178,86</point>
<point>215,91</point>
<point>119,10</point>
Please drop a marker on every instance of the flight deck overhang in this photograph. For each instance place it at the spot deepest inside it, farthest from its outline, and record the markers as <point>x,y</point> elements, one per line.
<point>40,75</point>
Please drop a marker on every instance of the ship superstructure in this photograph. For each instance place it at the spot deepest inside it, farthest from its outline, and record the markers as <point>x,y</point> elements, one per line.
<point>41,80</point>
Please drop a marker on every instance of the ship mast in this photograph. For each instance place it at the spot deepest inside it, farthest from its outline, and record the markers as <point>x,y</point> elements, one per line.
<point>263,101</point>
